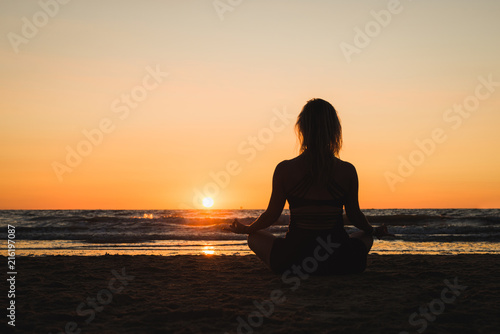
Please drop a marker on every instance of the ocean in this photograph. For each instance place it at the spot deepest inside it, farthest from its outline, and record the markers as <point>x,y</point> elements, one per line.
<point>199,232</point>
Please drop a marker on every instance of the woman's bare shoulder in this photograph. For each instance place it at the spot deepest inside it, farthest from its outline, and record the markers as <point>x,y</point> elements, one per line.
<point>291,162</point>
<point>290,165</point>
<point>346,167</point>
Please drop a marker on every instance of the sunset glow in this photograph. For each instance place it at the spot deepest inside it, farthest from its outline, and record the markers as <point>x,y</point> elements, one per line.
<point>176,105</point>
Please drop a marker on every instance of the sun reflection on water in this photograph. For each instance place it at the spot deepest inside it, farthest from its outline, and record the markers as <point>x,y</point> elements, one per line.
<point>208,250</point>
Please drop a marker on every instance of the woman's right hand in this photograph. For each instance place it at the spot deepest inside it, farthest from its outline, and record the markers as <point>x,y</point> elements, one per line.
<point>237,227</point>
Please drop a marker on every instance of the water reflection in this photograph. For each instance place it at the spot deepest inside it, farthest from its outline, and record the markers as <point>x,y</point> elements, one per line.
<point>208,250</point>
<point>228,247</point>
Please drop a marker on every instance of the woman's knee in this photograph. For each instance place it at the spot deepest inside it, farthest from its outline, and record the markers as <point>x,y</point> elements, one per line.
<point>363,237</point>
<point>259,237</point>
<point>250,240</point>
<point>254,240</point>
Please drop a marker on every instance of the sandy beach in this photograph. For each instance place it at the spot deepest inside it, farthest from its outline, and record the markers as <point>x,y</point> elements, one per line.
<point>238,294</point>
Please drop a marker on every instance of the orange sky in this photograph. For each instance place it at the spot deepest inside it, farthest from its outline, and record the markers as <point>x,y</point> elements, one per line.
<point>127,105</point>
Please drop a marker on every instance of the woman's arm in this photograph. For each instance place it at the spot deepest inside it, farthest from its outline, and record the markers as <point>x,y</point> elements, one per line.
<point>352,210</point>
<point>274,208</point>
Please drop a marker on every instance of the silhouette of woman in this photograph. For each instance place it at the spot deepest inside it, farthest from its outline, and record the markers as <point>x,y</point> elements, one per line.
<point>317,186</point>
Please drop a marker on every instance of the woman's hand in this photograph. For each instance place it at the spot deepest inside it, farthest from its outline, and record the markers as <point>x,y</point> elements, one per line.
<point>237,227</point>
<point>381,231</point>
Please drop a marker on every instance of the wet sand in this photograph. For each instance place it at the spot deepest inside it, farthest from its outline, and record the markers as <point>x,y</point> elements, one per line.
<point>238,294</point>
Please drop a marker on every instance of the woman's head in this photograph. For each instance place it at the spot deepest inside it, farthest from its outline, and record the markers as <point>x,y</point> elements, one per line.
<point>320,134</point>
<point>318,128</point>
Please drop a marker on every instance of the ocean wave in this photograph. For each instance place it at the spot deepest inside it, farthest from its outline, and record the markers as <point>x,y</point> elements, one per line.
<point>135,226</point>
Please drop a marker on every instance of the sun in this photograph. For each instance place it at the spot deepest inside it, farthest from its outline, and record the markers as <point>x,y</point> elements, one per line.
<point>208,202</point>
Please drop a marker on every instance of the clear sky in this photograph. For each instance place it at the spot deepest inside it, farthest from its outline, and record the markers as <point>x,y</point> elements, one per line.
<point>154,104</point>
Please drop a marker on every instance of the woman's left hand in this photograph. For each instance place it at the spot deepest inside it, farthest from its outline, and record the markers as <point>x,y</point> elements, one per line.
<point>382,231</point>
<point>237,227</point>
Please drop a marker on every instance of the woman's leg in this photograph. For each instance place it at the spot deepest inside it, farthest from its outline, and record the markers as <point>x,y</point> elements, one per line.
<point>261,243</point>
<point>365,238</point>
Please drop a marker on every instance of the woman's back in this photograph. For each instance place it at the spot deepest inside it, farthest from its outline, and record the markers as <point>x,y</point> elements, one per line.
<point>315,204</point>
<point>295,172</point>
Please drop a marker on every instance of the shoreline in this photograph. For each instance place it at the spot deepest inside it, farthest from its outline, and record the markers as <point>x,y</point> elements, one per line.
<point>218,294</point>
<point>37,248</point>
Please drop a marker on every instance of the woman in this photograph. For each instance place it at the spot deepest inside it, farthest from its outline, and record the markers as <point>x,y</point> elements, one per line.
<point>317,185</point>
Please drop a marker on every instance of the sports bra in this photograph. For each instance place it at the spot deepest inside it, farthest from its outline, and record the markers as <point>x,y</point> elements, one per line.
<point>314,220</point>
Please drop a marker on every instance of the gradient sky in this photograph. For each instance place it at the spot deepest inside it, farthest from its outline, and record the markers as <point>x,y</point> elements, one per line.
<point>236,82</point>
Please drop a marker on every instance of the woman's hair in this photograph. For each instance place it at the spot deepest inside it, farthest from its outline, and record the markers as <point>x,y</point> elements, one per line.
<point>320,134</point>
